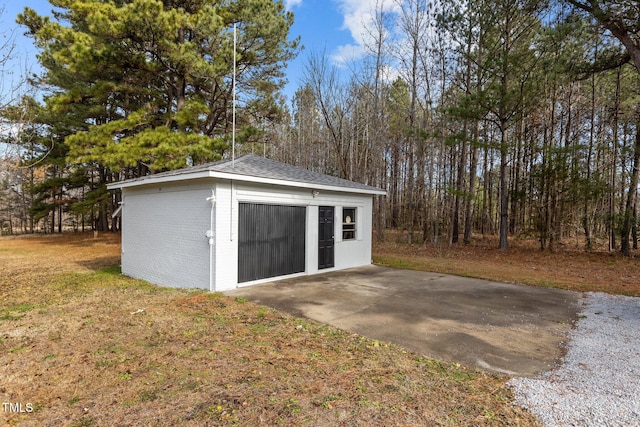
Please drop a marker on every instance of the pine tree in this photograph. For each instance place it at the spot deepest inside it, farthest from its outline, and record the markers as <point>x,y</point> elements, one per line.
<point>509,90</point>
<point>152,79</point>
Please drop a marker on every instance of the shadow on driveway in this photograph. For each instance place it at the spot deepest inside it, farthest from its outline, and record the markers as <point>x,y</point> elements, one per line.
<point>512,329</point>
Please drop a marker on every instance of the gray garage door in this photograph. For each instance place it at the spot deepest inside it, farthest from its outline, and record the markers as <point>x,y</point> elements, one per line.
<point>271,241</point>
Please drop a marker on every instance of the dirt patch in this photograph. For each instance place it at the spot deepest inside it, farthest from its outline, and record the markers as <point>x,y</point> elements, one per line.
<point>82,345</point>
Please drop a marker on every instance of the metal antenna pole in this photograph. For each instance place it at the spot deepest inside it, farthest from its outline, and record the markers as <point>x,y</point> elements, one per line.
<point>233,123</point>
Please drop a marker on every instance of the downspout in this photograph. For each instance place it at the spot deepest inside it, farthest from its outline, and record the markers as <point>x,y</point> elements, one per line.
<point>210,236</point>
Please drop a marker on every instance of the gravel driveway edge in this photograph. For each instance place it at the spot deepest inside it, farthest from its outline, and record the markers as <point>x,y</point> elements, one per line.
<point>598,381</point>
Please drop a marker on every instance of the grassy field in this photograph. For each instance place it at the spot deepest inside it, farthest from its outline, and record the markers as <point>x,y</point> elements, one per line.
<point>81,345</point>
<point>571,268</point>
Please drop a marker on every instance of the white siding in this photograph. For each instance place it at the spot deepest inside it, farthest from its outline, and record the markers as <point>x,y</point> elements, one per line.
<point>312,239</point>
<point>164,229</point>
<point>164,234</point>
<point>226,246</point>
<point>352,253</point>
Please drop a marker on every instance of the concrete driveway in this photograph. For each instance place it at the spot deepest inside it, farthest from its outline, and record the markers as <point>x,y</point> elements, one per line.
<point>512,329</point>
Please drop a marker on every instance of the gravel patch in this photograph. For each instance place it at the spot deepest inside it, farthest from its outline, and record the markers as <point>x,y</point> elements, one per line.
<point>598,382</point>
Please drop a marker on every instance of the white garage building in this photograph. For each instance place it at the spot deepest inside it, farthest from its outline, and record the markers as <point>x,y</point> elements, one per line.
<point>235,223</point>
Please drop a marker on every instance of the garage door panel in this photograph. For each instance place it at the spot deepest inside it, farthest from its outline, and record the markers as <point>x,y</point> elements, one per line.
<point>271,241</point>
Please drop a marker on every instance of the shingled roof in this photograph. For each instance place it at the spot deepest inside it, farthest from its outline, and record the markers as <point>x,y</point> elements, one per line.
<point>254,169</point>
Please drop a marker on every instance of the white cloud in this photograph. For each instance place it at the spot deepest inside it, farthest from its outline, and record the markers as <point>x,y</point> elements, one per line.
<point>358,18</point>
<point>291,3</point>
<point>343,55</point>
<point>389,73</point>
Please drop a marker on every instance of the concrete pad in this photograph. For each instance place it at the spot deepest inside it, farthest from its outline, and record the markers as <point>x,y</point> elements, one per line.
<point>517,330</point>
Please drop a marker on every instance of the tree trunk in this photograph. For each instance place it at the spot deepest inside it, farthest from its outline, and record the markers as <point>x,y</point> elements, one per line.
<point>462,163</point>
<point>504,190</point>
<point>614,156</point>
<point>586,216</point>
<point>471,195</point>
<point>634,227</point>
<point>486,194</point>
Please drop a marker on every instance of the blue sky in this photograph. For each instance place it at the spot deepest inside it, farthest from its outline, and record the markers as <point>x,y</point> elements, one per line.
<point>320,24</point>
<point>334,26</point>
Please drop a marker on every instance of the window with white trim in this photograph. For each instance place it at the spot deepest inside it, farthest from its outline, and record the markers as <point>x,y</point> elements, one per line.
<point>348,223</point>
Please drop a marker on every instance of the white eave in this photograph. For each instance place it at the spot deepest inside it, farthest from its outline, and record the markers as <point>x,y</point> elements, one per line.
<point>238,177</point>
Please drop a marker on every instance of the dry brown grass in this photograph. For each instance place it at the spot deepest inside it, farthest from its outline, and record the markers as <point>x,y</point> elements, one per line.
<point>567,268</point>
<point>87,346</point>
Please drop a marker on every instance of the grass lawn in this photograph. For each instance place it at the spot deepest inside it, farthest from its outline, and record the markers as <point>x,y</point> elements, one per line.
<point>570,268</point>
<point>81,345</point>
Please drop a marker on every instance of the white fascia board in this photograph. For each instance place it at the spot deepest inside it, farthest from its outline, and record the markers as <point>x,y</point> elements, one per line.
<point>282,182</point>
<point>236,177</point>
<point>158,180</point>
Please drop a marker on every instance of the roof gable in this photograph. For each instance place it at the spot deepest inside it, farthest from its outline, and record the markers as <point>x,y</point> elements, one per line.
<point>253,168</point>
